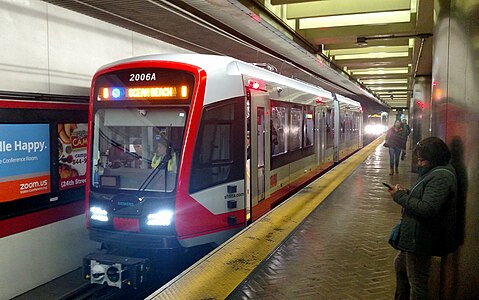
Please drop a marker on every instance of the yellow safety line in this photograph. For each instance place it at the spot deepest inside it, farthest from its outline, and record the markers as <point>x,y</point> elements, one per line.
<point>219,273</point>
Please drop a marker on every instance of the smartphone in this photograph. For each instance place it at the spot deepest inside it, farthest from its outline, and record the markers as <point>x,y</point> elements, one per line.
<point>388,185</point>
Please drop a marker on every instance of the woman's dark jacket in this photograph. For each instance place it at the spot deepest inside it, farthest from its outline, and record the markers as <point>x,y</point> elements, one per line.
<point>396,139</point>
<point>428,225</point>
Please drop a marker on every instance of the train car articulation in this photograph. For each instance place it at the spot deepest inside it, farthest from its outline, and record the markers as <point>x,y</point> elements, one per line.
<point>187,150</point>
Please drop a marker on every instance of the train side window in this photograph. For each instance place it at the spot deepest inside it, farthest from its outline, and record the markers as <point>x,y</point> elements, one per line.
<point>296,133</point>
<point>279,129</point>
<point>216,141</point>
<point>329,128</point>
<point>309,127</point>
<point>217,157</point>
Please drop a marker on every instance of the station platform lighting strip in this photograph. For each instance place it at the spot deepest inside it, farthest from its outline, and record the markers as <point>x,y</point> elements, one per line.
<point>218,274</point>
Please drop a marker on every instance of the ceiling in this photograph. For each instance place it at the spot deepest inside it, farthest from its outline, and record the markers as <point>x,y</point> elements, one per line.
<point>384,44</point>
<point>297,37</point>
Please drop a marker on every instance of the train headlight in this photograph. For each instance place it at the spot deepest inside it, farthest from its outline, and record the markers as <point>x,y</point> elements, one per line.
<point>98,214</point>
<point>161,218</point>
<point>374,129</point>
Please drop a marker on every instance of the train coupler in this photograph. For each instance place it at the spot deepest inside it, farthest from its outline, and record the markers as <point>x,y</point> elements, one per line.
<point>116,271</point>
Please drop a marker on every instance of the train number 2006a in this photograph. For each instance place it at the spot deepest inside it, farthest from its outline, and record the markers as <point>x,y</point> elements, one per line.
<point>142,76</point>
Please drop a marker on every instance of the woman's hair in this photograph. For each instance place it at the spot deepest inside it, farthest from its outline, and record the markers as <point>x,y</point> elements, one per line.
<point>434,150</point>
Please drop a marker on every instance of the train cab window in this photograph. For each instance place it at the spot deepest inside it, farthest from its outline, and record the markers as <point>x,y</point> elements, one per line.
<point>218,157</point>
<point>279,129</point>
<point>130,144</point>
<point>296,133</point>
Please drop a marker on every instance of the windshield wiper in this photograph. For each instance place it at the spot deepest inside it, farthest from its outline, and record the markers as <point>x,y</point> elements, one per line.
<point>162,165</point>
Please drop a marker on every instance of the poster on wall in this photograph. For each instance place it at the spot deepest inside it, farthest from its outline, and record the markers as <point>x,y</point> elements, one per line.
<point>72,147</point>
<point>24,160</point>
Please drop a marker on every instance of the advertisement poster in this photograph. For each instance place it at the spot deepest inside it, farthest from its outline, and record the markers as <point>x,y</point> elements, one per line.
<point>24,160</point>
<point>72,147</point>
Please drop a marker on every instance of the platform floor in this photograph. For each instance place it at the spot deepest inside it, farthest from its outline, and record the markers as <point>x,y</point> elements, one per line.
<point>340,251</point>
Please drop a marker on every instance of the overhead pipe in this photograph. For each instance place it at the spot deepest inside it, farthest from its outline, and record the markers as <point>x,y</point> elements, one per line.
<point>363,40</point>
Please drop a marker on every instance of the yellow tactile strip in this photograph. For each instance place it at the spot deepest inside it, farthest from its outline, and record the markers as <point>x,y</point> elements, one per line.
<point>219,273</point>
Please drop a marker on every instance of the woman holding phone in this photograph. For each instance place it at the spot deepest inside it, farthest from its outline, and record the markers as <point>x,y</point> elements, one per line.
<point>429,220</point>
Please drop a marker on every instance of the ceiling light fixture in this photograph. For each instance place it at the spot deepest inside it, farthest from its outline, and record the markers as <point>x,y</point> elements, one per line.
<point>361,41</point>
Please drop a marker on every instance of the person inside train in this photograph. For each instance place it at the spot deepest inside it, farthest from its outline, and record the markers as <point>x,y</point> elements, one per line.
<point>274,139</point>
<point>395,141</point>
<point>134,159</point>
<point>162,150</point>
<point>115,153</point>
<point>428,224</point>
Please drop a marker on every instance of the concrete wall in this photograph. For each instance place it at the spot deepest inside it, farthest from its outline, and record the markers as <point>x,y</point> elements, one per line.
<point>454,113</point>
<point>47,49</point>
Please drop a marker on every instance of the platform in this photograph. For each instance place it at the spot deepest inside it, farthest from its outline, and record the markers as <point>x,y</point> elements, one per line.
<point>336,247</point>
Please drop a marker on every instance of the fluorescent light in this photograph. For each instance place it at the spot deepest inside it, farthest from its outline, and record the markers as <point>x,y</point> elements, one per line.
<point>372,55</point>
<point>403,48</point>
<point>380,71</point>
<point>387,88</point>
<point>391,92</point>
<point>400,16</point>
<point>383,81</point>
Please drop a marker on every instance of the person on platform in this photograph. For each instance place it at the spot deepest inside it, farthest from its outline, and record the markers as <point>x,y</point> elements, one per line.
<point>429,220</point>
<point>406,131</point>
<point>395,142</point>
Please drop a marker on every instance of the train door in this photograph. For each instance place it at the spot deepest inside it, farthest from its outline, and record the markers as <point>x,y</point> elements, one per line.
<point>337,131</point>
<point>257,163</point>
<point>260,145</point>
<point>248,159</point>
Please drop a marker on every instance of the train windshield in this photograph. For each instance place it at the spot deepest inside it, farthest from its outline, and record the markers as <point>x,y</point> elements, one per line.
<point>137,148</point>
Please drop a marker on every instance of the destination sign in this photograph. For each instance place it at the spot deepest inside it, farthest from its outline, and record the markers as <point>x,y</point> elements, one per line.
<point>138,93</point>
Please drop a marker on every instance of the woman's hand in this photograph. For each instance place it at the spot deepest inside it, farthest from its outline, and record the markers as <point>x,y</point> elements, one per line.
<point>396,188</point>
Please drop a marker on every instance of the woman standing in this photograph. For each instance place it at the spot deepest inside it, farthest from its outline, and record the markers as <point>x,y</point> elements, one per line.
<point>428,225</point>
<point>395,140</point>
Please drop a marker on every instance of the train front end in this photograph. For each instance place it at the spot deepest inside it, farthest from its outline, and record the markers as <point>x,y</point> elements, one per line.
<point>139,113</point>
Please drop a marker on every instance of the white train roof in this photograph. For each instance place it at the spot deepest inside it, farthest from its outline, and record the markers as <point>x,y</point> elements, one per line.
<point>227,72</point>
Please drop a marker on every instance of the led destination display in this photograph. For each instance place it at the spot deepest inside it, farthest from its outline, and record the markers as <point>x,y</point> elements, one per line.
<point>145,84</point>
<point>132,93</point>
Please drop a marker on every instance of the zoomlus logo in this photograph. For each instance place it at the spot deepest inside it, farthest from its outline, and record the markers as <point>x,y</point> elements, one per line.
<point>33,186</point>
